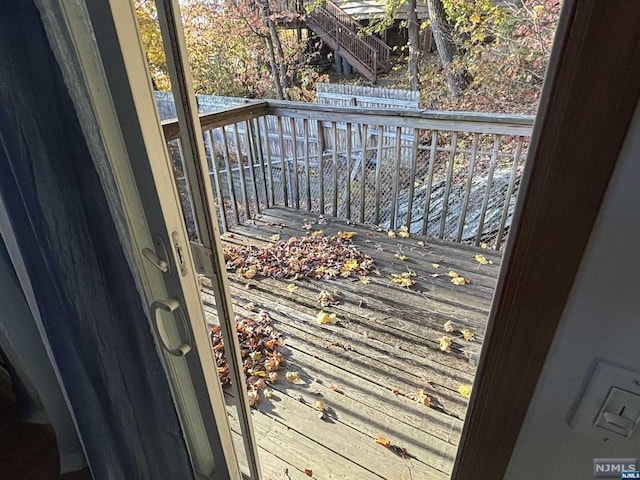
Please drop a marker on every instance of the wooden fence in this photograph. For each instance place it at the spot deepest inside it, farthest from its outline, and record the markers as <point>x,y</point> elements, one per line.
<point>445,174</point>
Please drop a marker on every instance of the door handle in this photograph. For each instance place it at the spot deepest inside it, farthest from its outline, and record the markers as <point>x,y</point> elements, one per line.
<point>169,305</point>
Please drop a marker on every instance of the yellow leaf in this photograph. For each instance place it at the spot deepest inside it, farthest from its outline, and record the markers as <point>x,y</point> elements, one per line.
<point>445,343</point>
<point>448,327</point>
<point>317,233</point>
<point>350,265</point>
<point>475,18</point>
<point>401,256</point>
<point>292,287</point>
<point>255,356</point>
<point>268,393</point>
<point>423,398</point>
<point>481,259</point>
<point>459,280</point>
<point>467,334</point>
<point>346,235</point>
<point>435,265</point>
<point>404,279</point>
<point>364,279</point>
<point>293,377</point>
<point>404,232</point>
<point>421,243</point>
<point>248,272</point>
<point>323,317</point>
<point>484,245</point>
<point>465,390</point>
<point>453,274</point>
<point>385,442</point>
<point>275,238</point>
<point>320,406</point>
<point>391,234</point>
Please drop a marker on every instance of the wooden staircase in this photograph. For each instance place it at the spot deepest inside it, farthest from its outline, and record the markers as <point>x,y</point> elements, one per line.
<point>367,54</point>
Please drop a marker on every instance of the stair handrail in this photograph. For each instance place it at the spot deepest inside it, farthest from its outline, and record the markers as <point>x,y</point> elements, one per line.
<point>384,50</point>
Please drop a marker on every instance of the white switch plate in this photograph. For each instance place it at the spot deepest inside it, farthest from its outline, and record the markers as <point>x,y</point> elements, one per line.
<point>589,411</point>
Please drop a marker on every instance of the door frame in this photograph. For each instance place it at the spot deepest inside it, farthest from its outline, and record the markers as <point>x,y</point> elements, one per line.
<point>590,92</point>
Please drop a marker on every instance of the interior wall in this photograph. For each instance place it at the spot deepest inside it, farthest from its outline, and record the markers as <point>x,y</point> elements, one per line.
<point>600,323</point>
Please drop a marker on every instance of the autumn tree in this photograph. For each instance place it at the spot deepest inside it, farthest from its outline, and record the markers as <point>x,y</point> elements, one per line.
<point>235,49</point>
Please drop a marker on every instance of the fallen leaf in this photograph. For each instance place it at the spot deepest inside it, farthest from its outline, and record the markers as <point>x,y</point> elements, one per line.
<point>481,259</point>
<point>467,334</point>
<point>465,390</point>
<point>293,377</point>
<point>309,472</point>
<point>435,265</point>
<point>404,279</point>
<point>459,280</point>
<point>335,389</point>
<point>384,441</point>
<point>320,406</point>
<point>421,243</point>
<point>445,343</point>
<point>268,394</point>
<point>401,256</point>
<point>325,298</point>
<point>317,233</point>
<point>391,234</point>
<point>434,275</point>
<point>292,287</point>
<point>423,398</point>
<point>396,391</point>
<point>275,238</point>
<point>346,235</point>
<point>404,232</point>
<point>484,245</point>
<point>254,397</point>
<point>323,317</point>
<point>448,327</point>
<point>299,398</point>
<point>453,274</point>
<point>364,279</point>
<point>273,377</point>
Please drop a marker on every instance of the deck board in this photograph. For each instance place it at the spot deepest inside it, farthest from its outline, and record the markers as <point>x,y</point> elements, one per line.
<point>382,350</point>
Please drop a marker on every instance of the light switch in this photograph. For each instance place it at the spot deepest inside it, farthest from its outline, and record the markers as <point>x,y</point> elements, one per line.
<point>620,412</point>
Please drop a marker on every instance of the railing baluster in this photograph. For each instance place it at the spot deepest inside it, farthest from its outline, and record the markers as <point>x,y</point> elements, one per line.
<point>305,123</point>
<point>485,203</point>
<point>396,179</point>
<point>413,159</point>
<point>427,193</point>
<point>348,173</point>
<point>321,164</point>
<point>363,169</point>
<point>334,134</point>
<point>467,191</point>
<point>447,189</point>
<point>252,159</point>
<point>283,164</point>
<point>243,182</point>
<point>294,151</point>
<point>227,165</point>
<point>267,142</point>
<point>507,198</point>
<point>257,137</point>
<point>216,179</point>
<point>376,214</point>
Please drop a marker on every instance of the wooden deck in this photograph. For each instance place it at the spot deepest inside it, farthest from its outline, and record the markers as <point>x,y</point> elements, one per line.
<point>381,352</point>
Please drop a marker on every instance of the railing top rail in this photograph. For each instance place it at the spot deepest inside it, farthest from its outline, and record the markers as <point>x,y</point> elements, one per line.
<point>425,119</point>
<point>220,118</point>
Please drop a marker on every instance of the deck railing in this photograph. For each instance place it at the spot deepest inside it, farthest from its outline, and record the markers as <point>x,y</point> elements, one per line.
<point>448,175</point>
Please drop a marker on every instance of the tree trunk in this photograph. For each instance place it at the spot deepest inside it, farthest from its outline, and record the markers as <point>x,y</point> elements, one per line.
<point>414,50</point>
<point>457,78</point>
<point>275,71</point>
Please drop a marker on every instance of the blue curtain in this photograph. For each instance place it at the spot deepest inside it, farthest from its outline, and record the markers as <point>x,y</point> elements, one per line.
<point>64,245</point>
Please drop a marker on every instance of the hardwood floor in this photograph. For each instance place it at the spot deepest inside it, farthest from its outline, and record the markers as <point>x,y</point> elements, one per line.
<point>368,367</point>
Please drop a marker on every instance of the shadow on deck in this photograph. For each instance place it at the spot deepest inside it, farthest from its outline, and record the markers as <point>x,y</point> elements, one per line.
<point>368,367</point>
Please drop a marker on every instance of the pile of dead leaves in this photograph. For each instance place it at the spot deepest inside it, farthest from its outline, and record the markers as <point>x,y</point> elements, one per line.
<point>261,360</point>
<point>315,256</point>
